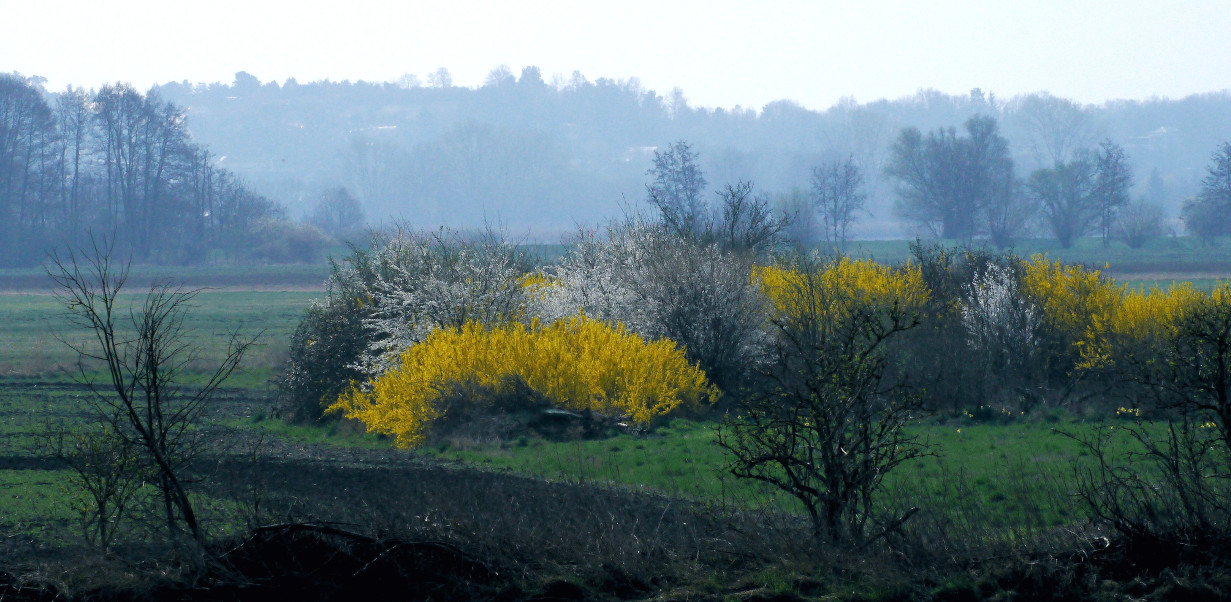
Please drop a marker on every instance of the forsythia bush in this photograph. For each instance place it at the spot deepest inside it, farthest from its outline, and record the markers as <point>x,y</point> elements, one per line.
<point>1071,296</point>
<point>860,280</point>
<point>578,363</point>
<point>1093,315</point>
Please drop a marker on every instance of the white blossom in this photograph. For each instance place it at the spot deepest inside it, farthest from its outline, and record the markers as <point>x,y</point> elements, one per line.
<point>998,321</point>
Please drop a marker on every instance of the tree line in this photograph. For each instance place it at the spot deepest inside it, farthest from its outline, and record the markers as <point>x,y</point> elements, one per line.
<point>541,156</point>
<point>544,153</point>
<point>956,187</point>
<point>114,160</point>
<point>960,187</point>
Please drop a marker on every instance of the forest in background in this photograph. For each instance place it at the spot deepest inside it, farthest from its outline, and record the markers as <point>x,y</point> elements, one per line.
<point>541,156</point>
<point>118,161</point>
<point>252,172</point>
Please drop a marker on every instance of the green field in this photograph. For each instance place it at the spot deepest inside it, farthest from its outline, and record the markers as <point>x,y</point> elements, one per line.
<point>1015,475</point>
<point>30,349</point>
<point>255,277</point>
<point>1162,259</point>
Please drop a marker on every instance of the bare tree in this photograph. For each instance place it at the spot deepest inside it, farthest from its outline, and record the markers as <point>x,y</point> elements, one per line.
<point>946,182</point>
<point>337,213</point>
<point>830,425</point>
<point>74,114</point>
<point>142,399</point>
<point>1138,222</point>
<point>1066,194</point>
<point>1111,183</point>
<point>837,191</point>
<point>748,223</point>
<point>677,189</point>
<point>1207,214</point>
<point>409,81</point>
<point>1057,129</point>
<point>797,206</point>
<point>1010,213</point>
<point>440,78</point>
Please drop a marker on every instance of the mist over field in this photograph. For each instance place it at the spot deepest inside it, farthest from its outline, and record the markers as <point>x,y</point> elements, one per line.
<point>543,156</point>
<point>732,300</point>
<point>737,378</point>
<point>270,172</point>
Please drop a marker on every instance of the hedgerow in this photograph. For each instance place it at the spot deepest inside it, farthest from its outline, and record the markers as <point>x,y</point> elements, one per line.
<point>1094,319</point>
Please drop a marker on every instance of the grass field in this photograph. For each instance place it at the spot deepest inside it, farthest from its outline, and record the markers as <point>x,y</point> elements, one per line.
<point>257,277</point>
<point>1014,477</point>
<point>1162,259</point>
<point>1007,476</point>
<point>30,349</point>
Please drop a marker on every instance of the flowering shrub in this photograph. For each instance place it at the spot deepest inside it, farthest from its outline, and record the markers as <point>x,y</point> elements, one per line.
<point>1141,317</point>
<point>1097,319</point>
<point>661,286</point>
<point>1071,297</point>
<point>389,295</point>
<point>999,322</point>
<point>856,281</point>
<point>439,280</point>
<point>577,363</point>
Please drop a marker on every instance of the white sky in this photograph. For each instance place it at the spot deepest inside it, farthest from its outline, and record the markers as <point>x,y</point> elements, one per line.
<point>720,52</point>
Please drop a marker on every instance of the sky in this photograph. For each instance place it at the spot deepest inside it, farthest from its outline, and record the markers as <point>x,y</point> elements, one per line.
<point>721,53</point>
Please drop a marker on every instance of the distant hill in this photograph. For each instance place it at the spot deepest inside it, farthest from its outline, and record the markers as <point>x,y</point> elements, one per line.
<point>542,158</point>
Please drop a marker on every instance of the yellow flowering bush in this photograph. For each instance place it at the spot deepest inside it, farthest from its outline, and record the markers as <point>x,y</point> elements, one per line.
<point>577,363</point>
<point>1097,318</point>
<point>858,281</point>
<point>1072,297</point>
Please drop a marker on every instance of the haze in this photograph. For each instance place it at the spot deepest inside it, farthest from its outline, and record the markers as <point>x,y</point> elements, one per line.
<point>721,54</point>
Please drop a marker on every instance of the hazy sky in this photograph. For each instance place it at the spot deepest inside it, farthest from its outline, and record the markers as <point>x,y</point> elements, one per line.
<point>721,53</point>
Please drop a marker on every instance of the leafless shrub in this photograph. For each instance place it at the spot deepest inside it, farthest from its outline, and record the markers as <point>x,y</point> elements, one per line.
<point>141,400</point>
<point>1169,485</point>
<point>388,296</point>
<point>105,468</point>
<point>1139,222</point>
<point>830,425</point>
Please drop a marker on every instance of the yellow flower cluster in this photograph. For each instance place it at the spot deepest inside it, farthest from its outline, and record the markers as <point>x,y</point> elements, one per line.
<point>1093,314</point>
<point>1143,313</point>
<point>1072,298</point>
<point>844,281</point>
<point>578,363</point>
<point>536,280</point>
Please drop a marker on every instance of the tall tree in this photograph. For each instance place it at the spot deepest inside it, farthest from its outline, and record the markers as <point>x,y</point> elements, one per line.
<point>1066,194</point>
<point>677,189</point>
<point>1114,178</point>
<point>440,78</point>
<point>1010,213</point>
<point>1057,130</point>
<point>1216,186</point>
<point>27,131</point>
<point>945,182</point>
<point>337,213</point>
<point>73,114</point>
<point>991,178</point>
<point>1209,213</point>
<point>837,192</point>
